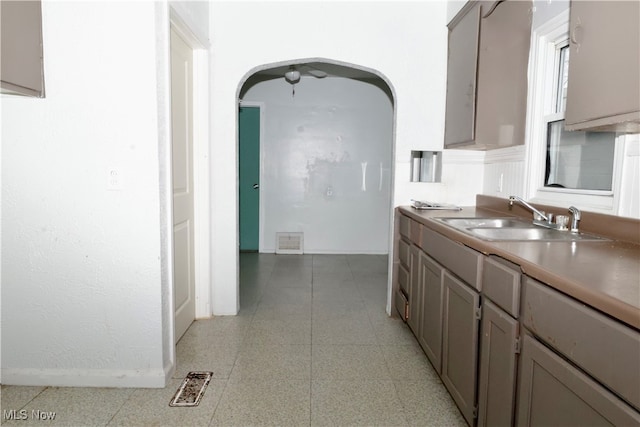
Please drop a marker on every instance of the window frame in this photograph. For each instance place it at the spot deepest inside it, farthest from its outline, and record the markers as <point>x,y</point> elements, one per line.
<point>546,40</point>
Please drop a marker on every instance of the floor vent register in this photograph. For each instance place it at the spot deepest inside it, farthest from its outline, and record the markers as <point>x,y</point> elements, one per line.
<point>192,389</point>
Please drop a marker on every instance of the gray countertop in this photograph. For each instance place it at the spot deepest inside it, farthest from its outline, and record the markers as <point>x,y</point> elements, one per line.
<point>602,274</point>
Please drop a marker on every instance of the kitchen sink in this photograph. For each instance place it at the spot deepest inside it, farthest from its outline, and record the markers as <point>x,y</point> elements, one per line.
<point>513,229</point>
<point>486,222</point>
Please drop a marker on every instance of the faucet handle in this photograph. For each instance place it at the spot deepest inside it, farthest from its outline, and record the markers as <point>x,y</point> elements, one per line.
<point>562,221</point>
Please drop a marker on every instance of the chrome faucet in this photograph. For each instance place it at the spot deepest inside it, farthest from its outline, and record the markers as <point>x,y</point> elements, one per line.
<point>575,218</point>
<point>531,208</point>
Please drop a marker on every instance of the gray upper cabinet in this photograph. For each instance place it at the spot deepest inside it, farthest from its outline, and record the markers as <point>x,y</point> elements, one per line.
<point>487,75</point>
<point>604,67</point>
<point>461,76</point>
<point>21,71</point>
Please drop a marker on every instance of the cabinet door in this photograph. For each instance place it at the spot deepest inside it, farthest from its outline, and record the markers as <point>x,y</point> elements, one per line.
<point>496,391</point>
<point>461,76</point>
<point>503,60</point>
<point>414,289</point>
<point>604,65</point>
<point>430,330</point>
<point>554,393</point>
<point>21,47</point>
<point>460,343</point>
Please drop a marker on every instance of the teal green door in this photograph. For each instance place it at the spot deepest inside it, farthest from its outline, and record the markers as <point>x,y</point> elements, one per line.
<point>249,142</point>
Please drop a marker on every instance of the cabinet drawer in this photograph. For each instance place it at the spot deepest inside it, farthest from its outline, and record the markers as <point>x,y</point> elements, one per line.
<point>415,231</point>
<point>410,230</point>
<point>463,261</point>
<point>607,350</point>
<point>403,253</point>
<point>501,284</point>
<point>403,279</point>
<point>404,224</point>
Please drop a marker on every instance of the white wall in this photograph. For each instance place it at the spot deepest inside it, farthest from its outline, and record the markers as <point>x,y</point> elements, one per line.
<point>314,149</point>
<point>403,41</point>
<point>85,298</point>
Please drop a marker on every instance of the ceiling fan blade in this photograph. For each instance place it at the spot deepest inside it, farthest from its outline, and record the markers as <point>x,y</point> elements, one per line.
<point>317,73</point>
<point>314,71</point>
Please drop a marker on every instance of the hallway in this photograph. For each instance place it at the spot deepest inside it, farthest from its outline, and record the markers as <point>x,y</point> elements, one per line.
<point>312,345</point>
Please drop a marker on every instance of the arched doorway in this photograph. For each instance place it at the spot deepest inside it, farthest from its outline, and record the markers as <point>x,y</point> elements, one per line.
<point>326,157</point>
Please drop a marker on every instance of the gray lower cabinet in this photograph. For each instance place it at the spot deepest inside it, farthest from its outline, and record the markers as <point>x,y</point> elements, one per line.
<point>499,342</point>
<point>414,289</point>
<point>552,392</point>
<point>461,309</point>
<point>430,329</point>
<point>498,366</point>
<point>509,349</point>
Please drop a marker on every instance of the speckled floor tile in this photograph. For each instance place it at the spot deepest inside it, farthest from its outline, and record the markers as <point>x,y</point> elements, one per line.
<point>367,264</point>
<point>371,280</point>
<point>377,311</point>
<point>427,403</point>
<point>264,403</point>
<point>299,353</point>
<point>345,362</point>
<point>355,403</point>
<point>390,331</point>
<point>333,279</point>
<point>408,362</point>
<point>67,406</point>
<point>340,309</point>
<point>15,397</point>
<point>222,327</point>
<point>345,292</point>
<point>273,362</point>
<point>339,331</point>
<point>282,312</point>
<point>218,357</point>
<point>150,407</point>
<point>293,330</point>
<point>328,261</point>
<point>283,295</point>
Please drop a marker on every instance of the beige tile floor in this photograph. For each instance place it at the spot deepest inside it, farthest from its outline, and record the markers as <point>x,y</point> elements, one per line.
<point>312,346</point>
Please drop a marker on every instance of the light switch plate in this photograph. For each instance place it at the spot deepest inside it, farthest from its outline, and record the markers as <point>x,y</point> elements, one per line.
<point>115,180</point>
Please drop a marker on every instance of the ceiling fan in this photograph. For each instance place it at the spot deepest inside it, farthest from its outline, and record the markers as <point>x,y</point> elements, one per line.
<point>295,71</point>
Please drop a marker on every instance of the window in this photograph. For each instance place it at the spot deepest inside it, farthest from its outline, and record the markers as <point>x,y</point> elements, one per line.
<point>565,168</point>
<point>575,160</point>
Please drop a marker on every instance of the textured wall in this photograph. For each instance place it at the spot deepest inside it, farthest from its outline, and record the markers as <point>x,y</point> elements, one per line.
<point>326,165</point>
<point>81,273</point>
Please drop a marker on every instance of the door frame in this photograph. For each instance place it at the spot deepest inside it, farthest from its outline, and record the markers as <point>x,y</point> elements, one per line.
<point>261,210</point>
<point>201,180</point>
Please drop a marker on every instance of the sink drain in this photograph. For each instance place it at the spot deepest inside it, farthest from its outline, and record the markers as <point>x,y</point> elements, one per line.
<point>192,389</point>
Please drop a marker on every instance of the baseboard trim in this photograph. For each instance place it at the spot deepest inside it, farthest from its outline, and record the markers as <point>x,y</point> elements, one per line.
<point>87,377</point>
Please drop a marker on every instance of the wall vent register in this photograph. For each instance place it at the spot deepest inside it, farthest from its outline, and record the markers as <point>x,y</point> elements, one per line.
<point>289,243</point>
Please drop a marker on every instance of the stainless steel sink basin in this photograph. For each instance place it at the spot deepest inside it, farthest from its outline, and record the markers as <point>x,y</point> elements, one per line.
<point>532,233</point>
<point>513,229</point>
<point>486,222</point>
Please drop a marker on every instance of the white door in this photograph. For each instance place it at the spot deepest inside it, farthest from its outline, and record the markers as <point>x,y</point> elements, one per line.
<point>182,148</point>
